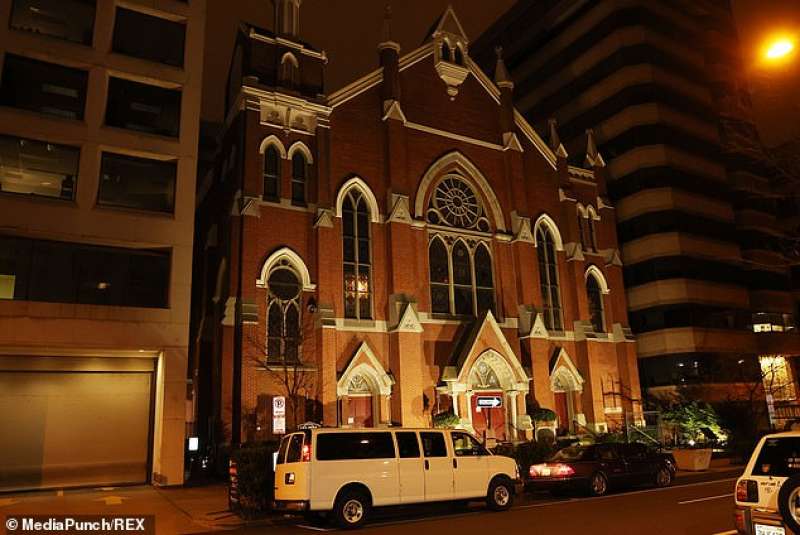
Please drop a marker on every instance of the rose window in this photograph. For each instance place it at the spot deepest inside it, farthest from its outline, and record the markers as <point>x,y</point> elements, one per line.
<point>455,204</point>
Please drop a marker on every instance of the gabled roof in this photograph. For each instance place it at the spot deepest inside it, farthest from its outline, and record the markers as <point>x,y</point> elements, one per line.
<point>448,23</point>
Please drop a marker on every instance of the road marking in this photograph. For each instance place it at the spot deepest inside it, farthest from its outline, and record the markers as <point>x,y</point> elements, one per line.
<point>315,528</point>
<point>707,498</point>
<point>731,532</point>
<point>623,494</point>
<point>111,500</point>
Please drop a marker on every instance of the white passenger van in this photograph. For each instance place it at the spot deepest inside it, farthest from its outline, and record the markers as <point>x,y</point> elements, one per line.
<point>349,471</point>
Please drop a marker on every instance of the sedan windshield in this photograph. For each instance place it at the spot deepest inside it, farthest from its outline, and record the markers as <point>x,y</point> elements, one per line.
<point>571,454</point>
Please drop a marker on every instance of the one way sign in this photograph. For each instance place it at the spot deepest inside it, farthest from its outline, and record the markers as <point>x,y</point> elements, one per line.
<point>490,401</point>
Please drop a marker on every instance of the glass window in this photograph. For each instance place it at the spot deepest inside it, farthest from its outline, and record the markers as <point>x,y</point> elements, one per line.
<point>606,452</point>
<point>548,279</point>
<point>356,255</point>
<point>462,279</point>
<point>282,450</point>
<point>61,272</point>
<point>779,457</point>
<point>299,172</point>
<point>43,87</point>
<point>573,453</point>
<point>581,233</point>
<point>72,20</point>
<point>294,452</point>
<point>595,296</point>
<point>408,444</point>
<point>636,451</point>
<point>138,183</point>
<point>283,316</point>
<point>272,174</point>
<point>592,245</point>
<point>339,446</point>
<point>164,40</point>
<point>438,259</point>
<point>466,446</point>
<point>433,444</point>
<point>143,107</point>
<point>33,167</point>
<point>484,286</point>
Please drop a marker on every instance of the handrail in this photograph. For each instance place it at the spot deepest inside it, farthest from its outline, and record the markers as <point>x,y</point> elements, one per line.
<point>644,434</point>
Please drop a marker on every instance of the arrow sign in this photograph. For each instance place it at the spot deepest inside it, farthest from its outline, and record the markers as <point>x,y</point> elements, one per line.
<point>111,500</point>
<point>490,401</point>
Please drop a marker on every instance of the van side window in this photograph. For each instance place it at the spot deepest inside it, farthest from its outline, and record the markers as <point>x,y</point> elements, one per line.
<point>433,444</point>
<point>464,445</point>
<point>295,448</point>
<point>282,450</point>
<point>407,444</point>
<point>339,446</point>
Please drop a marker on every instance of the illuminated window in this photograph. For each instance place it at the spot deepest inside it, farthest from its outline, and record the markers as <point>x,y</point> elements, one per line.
<point>283,316</point>
<point>357,256</point>
<point>32,167</point>
<point>548,279</point>
<point>777,377</point>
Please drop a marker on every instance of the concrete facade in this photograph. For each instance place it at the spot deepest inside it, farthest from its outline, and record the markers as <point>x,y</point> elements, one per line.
<point>31,328</point>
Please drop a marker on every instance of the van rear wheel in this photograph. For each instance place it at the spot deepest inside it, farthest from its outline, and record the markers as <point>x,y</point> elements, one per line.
<point>351,509</point>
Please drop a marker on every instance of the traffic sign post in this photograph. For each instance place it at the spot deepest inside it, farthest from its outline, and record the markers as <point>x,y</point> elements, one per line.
<point>279,415</point>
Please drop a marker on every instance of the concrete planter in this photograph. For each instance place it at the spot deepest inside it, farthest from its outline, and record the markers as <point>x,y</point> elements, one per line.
<point>693,460</point>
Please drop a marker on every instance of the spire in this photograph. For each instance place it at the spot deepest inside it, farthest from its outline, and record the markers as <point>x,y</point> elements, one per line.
<point>387,41</point>
<point>593,156</point>
<point>501,76</point>
<point>555,140</point>
<point>287,17</point>
<point>448,23</point>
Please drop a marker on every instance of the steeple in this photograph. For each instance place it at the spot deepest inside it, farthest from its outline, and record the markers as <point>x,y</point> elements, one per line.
<point>555,140</point>
<point>287,17</point>
<point>593,156</point>
<point>389,52</point>
<point>501,76</point>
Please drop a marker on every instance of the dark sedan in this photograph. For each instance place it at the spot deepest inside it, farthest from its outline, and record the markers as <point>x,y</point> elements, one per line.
<point>597,467</point>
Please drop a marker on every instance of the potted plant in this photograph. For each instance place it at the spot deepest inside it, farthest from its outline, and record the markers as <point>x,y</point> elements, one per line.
<point>446,420</point>
<point>544,421</point>
<point>697,427</point>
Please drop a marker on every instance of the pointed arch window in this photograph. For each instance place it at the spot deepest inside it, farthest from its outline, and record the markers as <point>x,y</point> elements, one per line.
<point>592,245</point>
<point>357,256</point>
<point>446,54</point>
<point>459,56</point>
<point>460,277</point>
<point>272,173</point>
<point>595,297</point>
<point>283,316</point>
<point>581,230</point>
<point>548,279</point>
<point>299,176</point>
<point>290,70</point>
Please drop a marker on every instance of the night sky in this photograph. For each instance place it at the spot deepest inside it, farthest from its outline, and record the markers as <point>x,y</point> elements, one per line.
<point>349,31</point>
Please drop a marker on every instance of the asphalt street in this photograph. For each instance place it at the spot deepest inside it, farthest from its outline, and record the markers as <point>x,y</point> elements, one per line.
<point>699,508</point>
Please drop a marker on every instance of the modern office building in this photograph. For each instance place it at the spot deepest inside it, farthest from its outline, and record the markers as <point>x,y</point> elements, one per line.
<point>99,118</point>
<point>702,218</point>
<point>404,247</point>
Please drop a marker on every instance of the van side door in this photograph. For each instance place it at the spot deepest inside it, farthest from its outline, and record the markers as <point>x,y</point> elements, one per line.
<point>438,466</point>
<point>470,466</point>
<point>411,467</point>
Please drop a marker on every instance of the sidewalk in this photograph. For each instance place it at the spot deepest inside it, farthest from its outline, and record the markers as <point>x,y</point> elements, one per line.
<point>719,469</point>
<point>177,510</point>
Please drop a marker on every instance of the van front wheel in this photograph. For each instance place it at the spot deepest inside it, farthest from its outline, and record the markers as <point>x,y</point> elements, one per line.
<point>351,509</point>
<point>501,494</point>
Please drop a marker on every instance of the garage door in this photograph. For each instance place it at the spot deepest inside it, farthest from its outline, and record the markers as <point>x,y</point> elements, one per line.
<point>68,421</point>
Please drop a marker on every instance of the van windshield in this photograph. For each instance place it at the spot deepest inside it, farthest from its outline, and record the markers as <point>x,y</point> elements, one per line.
<point>779,457</point>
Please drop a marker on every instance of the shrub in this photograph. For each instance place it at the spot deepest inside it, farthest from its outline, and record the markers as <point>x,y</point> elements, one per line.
<point>447,420</point>
<point>695,420</point>
<point>255,477</point>
<point>541,414</point>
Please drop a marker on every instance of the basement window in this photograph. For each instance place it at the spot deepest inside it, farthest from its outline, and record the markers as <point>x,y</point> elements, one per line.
<point>43,87</point>
<point>71,20</point>
<point>143,107</point>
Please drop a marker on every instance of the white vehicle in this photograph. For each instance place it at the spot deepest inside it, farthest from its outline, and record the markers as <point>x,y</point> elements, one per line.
<point>768,492</point>
<point>350,471</point>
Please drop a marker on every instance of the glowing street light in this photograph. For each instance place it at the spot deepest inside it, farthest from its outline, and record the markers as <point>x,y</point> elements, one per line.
<point>780,48</point>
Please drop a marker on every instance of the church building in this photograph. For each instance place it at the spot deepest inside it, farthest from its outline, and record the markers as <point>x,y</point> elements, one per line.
<point>401,251</point>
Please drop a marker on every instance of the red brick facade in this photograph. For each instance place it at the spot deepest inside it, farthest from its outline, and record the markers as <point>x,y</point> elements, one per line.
<point>392,137</point>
